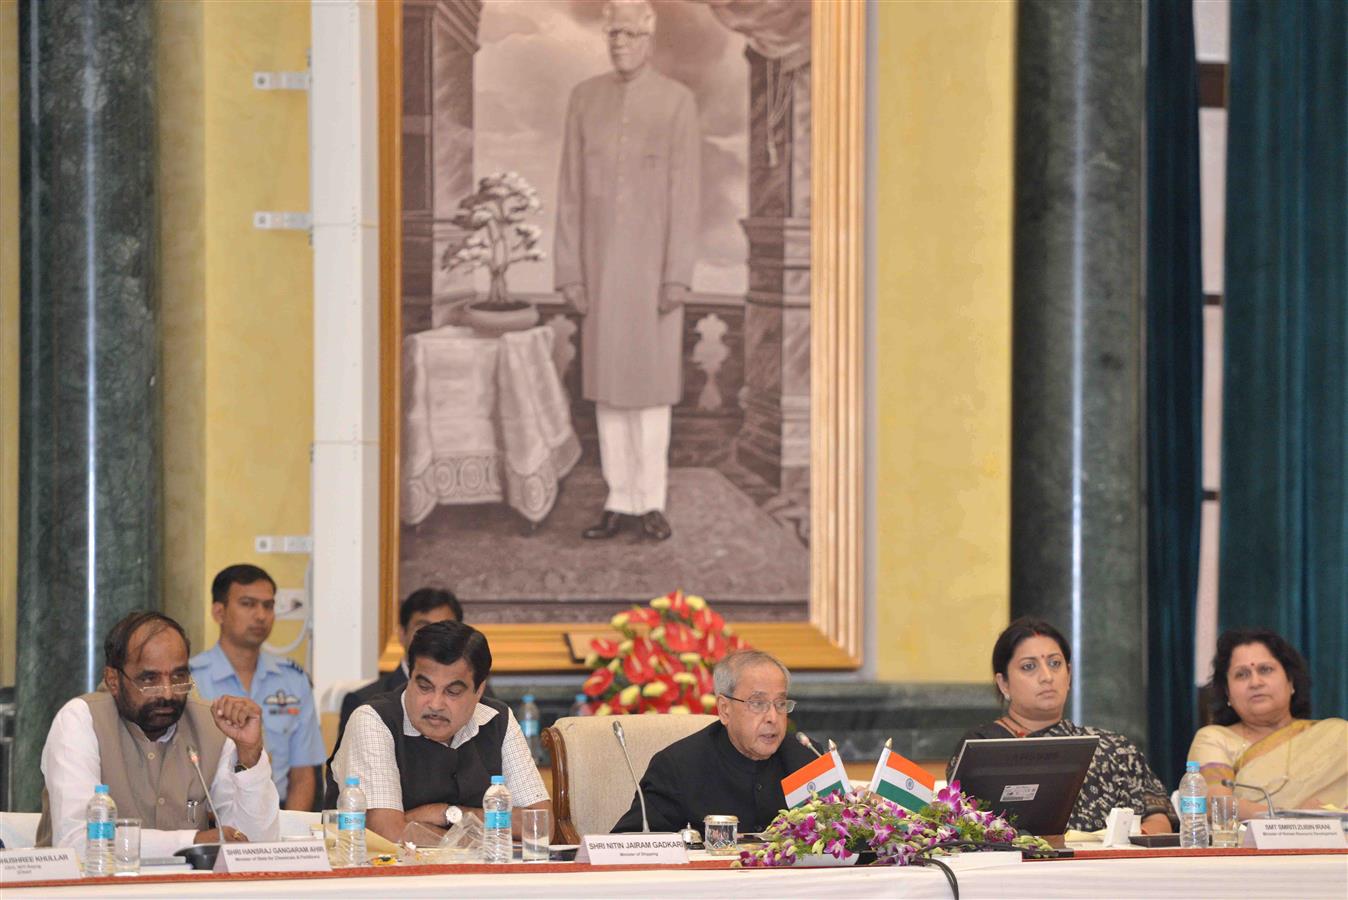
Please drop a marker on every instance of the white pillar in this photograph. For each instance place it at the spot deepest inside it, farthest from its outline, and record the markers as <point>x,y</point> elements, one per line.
<point>344,184</point>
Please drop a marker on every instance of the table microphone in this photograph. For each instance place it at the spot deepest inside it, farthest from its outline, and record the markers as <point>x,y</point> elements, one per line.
<point>1227,782</point>
<point>196,764</point>
<point>807,743</point>
<point>641,798</point>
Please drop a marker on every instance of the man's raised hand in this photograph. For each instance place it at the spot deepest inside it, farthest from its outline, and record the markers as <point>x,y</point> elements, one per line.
<point>240,720</point>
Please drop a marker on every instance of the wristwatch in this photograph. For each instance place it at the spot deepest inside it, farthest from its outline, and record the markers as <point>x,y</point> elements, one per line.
<point>453,815</point>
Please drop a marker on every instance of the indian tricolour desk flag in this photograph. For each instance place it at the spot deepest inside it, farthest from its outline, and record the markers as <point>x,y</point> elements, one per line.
<point>902,781</point>
<point>823,776</point>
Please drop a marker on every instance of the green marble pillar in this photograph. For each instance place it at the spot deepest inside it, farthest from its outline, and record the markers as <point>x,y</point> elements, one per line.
<point>89,430</point>
<point>1076,461</point>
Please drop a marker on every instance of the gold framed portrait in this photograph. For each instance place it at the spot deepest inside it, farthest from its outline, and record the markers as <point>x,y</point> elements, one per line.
<point>490,461</point>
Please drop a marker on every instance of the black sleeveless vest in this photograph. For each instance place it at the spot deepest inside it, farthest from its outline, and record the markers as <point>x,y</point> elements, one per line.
<point>429,771</point>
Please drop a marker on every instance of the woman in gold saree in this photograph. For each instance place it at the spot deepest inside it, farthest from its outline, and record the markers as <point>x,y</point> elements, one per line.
<point>1264,735</point>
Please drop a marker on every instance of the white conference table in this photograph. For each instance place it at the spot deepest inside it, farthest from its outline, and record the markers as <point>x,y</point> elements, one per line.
<point>1224,877</point>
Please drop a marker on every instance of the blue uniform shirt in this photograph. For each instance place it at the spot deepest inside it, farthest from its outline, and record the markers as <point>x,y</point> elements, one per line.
<point>281,687</point>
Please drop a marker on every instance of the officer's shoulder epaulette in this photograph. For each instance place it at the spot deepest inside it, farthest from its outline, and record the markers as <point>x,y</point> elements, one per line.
<point>289,663</point>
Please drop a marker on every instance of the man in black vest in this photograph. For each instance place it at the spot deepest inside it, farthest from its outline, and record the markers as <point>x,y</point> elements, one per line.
<point>427,753</point>
<point>421,608</point>
<point>734,766</point>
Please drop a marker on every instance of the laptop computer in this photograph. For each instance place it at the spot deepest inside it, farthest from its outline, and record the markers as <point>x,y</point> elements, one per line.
<point>1034,782</point>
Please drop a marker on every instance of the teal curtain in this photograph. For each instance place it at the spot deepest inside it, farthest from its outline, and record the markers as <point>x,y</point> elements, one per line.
<point>1284,541</point>
<point>1174,425</point>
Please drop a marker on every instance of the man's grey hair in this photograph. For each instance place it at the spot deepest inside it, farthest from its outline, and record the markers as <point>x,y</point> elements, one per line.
<point>726,676</point>
<point>645,13</point>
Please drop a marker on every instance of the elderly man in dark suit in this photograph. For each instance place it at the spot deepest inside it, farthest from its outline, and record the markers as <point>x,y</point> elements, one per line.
<point>733,766</point>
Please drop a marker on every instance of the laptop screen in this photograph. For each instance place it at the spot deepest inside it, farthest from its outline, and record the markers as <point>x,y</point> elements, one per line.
<point>1033,782</point>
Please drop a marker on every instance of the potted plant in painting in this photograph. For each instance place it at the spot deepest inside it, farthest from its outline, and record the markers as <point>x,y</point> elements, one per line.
<point>496,238</point>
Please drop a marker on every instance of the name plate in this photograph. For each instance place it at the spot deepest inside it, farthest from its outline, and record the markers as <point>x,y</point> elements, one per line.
<point>1294,834</point>
<point>46,864</point>
<point>633,850</point>
<point>284,856</point>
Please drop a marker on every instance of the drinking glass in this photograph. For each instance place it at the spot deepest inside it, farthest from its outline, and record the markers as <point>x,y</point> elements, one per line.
<point>535,834</point>
<point>126,847</point>
<point>330,834</point>
<point>720,834</point>
<point>1225,817</point>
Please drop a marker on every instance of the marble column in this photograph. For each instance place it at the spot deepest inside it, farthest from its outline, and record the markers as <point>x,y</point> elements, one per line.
<point>774,441</point>
<point>1076,447</point>
<point>89,466</point>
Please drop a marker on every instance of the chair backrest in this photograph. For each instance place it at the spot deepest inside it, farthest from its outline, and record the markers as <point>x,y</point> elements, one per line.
<point>590,785</point>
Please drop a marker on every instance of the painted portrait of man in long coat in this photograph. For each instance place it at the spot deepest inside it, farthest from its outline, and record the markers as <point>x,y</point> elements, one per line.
<point>626,245</point>
<point>669,145</point>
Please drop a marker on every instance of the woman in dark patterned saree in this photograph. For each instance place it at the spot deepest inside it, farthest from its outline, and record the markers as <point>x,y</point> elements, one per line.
<point>1032,665</point>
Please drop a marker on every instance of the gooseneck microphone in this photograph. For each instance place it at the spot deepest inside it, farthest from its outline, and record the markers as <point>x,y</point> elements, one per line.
<point>641,798</point>
<point>807,743</point>
<point>1232,784</point>
<point>196,764</point>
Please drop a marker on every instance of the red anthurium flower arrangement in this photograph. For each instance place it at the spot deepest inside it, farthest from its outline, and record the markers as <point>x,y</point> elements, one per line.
<point>662,661</point>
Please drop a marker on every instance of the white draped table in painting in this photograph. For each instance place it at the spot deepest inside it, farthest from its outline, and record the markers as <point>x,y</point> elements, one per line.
<point>485,420</point>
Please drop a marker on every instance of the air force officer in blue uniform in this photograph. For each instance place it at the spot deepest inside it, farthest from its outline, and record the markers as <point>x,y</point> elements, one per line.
<point>243,601</point>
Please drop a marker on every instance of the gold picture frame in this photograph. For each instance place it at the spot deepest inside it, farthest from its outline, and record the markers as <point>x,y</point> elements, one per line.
<point>831,638</point>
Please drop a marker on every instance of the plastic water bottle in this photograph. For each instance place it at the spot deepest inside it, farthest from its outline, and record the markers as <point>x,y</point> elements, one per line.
<point>1193,799</point>
<point>529,725</point>
<point>580,707</point>
<point>100,817</point>
<point>496,846</point>
<point>351,824</point>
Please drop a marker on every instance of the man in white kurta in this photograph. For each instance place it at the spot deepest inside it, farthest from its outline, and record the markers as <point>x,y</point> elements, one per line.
<point>627,231</point>
<point>154,748</point>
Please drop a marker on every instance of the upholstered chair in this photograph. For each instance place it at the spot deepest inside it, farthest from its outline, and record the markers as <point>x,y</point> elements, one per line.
<point>591,788</point>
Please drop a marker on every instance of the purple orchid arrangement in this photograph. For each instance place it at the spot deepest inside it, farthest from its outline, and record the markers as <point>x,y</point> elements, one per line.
<point>842,825</point>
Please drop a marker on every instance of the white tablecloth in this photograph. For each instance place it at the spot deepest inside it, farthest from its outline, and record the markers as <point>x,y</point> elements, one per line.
<point>1226,878</point>
<point>485,420</point>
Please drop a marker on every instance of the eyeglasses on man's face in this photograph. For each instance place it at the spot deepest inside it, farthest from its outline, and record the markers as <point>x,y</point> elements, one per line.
<point>627,34</point>
<point>151,685</point>
<point>760,705</point>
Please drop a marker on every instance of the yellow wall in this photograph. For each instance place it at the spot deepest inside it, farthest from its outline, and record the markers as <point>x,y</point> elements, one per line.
<point>9,331</point>
<point>256,310</point>
<point>236,303</point>
<point>238,316</point>
<point>943,319</point>
<point>182,292</point>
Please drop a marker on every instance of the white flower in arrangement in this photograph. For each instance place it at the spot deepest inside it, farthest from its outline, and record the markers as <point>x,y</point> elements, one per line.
<point>497,234</point>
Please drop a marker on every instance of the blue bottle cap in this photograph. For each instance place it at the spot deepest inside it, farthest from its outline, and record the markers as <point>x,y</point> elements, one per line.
<point>582,698</point>
<point>100,789</point>
<point>1191,766</point>
<point>353,780</point>
<point>528,698</point>
<point>498,779</point>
